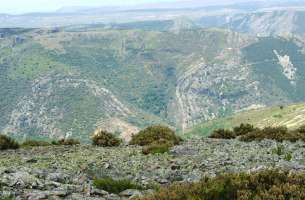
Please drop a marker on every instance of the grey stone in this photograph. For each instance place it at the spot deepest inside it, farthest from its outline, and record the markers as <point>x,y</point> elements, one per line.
<point>163,181</point>
<point>22,180</point>
<point>64,177</point>
<point>37,195</point>
<point>113,197</point>
<point>59,192</point>
<point>95,191</point>
<point>58,177</point>
<point>131,193</point>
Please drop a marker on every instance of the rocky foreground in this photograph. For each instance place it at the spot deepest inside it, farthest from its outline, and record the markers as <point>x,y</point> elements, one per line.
<point>65,172</point>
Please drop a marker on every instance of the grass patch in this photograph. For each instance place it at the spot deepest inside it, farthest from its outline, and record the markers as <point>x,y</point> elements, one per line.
<point>115,186</point>
<point>7,198</point>
<point>156,148</point>
<point>35,143</point>
<point>278,116</point>
<point>10,143</point>
<point>269,184</point>
<point>41,143</point>
<point>271,116</point>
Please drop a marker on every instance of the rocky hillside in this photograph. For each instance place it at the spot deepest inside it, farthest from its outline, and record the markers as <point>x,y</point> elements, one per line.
<point>292,116</point>
<point>63,82</point>
<point>68,172</point>
<point>264,23</point>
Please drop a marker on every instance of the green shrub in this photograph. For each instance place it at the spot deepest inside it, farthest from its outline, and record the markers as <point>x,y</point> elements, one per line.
<point>279,150</point>
<point>301,129</point>
<point>288,156</point>
<point>8,143</point>
<point>155,134</point>
<point>269,184</point>
<point>115,186</point>
<point>35,143</point>
<point>66,142</point>
<point>248,133</point>
<point>156,148</point>
<point>223,134</point>
<point>69,141</point>
<point>278,116</point>
<point>243,129</point>
<point>105,139</point>
<point>273,133</point>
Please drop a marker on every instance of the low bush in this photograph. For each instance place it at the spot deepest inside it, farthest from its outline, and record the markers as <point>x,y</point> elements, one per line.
<point>66,142</point>
<point>35,143</point>
<point>155,134</point>
<point>156,139</point>
<point>247,133</point>
<point>69,142</point>
<point>279,134</point>
<point>8,143</point>
<point>115,186</point>
<point>105,139</point>
<point>223,134</point>
<point>279,150</point>
<point>156,148</point>
<point>288,156</point>
<point>301,129</point>
<point>243,129</point>
<point>269,184</point>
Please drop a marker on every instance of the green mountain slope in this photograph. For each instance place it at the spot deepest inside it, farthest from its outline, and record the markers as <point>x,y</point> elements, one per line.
<point>68,81</point>
<point>292,116</point>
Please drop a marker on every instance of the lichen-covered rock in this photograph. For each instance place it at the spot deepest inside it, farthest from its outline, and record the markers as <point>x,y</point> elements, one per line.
<point>67,173</point>
<point>131,193</point>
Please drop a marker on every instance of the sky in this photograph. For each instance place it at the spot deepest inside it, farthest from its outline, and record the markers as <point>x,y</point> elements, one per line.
<point>24,6</point>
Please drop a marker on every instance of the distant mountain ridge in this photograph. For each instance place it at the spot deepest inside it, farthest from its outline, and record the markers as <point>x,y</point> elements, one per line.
<point>263,23</point>
<point>237,15</point>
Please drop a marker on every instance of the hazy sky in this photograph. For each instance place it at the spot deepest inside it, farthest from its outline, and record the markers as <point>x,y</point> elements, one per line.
<point>25,6</point>
<point>22,6</point>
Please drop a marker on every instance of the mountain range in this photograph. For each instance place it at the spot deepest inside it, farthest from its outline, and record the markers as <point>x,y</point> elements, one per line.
<point>68,81</point>
<point>236,15</point>
<point>168,68</point>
